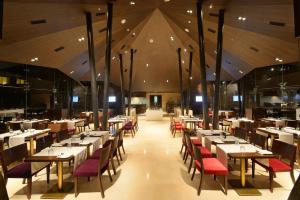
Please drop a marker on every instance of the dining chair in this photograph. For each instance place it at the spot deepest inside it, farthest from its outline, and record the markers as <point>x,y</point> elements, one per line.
<point>3,191</point>
<point>121,143</point>
<point>23,170</point>
<point>240,133</point>
<point>129,127</point>
<point>80,126</point>
<point>291,123</point>
<point>208,166</point>
<point>43,142</point>
<point>94,168</point>
<point>62,135</point>
<point>177,126</point>
<point>190,150</point>
<point>14,126</point>
<point>285,162</point>
<point>258,140</point>
<point>3,128</point>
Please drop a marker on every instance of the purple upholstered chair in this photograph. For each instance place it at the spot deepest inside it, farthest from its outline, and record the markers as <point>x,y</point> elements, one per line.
<point>23,170</point>
<point>94,168</point>
<point>129,127</point>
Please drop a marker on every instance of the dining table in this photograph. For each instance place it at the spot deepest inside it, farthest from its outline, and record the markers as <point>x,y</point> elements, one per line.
<point>59,155</point>
<point>192,121</point>
<point>116,121</point>
<point>235,122</point>
<point>71,123</point>
<point>18,137</point>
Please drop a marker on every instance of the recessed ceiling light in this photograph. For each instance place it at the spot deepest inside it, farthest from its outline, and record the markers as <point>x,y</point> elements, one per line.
<point>125,52</point>
<point>151,41</point>
<point>278,59</point>
<point>185,50</point>
<point>191,78</point>
<point>99,9</point>
<point>144,81</point>
<point>189,11</point>
<point>215,74</point>
<point>114,57</point>
<point>172,38</point>
<point>215,52</point>
<point>182,62</point>
<point>167,0</point>
<point>272,69</point>
<point>242,18</point>
<point>99,74</point>
<point>167,81</point>
<point>132,3</point>
<point>133,34</point>
<point>34,59</point>
<point>241,71</point>
<point>123,21</point>
<point>81,39</point>
<point>189,21</point>
<point>128,29</point>
<point>187,30</point>
<point>211,6</point>
<point>72,72</point>
<point>147,65</point>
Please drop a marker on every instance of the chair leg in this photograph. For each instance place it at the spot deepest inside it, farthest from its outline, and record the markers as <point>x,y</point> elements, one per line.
<point>113,165</point>
<point>76,186</point>
<point>186,157</point>
<point>101,186</point>
<point>225,184</point>
<point>48,174</point>
<point>123,149</point>
<point>119,151</point>
<point>181,148</point>
<point>29,187</point>
<point>292,175</point>
<point>184,154</point>
<point>191,162</point>
<point>109,174</point>
<point>271,175</point>
<point>200,185</point>
<point>117,158</point>
<point>194,171</point>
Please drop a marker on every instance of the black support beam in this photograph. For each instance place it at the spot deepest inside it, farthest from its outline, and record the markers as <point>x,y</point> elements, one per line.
<point>180,81</point>
<point>188,101</point>
<point>130,81</point>
<point>122,84</point>
<point>218,69</point>
<point>1,19</point>
<point>89,25</point>
<point>107,65</point>
<point>202,65</point>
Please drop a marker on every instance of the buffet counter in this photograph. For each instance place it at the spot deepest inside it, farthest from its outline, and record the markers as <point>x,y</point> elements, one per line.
<point>154,115</point>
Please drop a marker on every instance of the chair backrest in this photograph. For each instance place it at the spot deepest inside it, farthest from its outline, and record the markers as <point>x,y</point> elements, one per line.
<point>104,157</point>
<point>258,140</point>
<point>291,123</point>
<point>3,128</point>
<point>14,126</point>
<point>198,157</point>
<point>285,151</point>
<point>240,133</point>
<point>3,191</point>
<point>188,141</point>
<point>114,145</point>
<point>62,135</point>
<point>13,154</point>
<point>43,142</point>
<point>40,125</point>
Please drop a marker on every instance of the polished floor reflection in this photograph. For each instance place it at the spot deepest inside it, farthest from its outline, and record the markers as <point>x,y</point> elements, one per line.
<point>153,169</point>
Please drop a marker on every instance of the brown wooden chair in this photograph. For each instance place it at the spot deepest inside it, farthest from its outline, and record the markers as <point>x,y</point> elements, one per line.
<point>3,191</point>
<point>285,162</point>
<point>94,168</point>
<point>40,125</point>
<point>258,140</point>
<point>14,126</point>
<point>120,143</point>
<point>291,123</point>
<point>240,133</point>
<point>3,128</point>
<point>62,135</point>
<point>23,170</point>
<point>43,142</point>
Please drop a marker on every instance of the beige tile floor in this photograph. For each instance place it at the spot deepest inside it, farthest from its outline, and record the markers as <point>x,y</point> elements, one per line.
<point>153,169</point>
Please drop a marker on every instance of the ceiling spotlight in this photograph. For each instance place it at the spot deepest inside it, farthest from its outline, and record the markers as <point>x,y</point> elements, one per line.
<point>211,6</point>
<point>272,69</point>
<point>133,34</point>
<point>241,72</point>
<point>34,59</point>
<point>72,72</point>
<point>185,50</point>
<point>114,57</point>
<point>242,18</point>
<point>128,29</point>
<point>182,62</point>
<point>151,41</point>
<point>167,81</point>
<point>99,9</point>
<point>189,11</point>
<point>147,65</point>
<point>172,38</point>
<point>132,3</point>
<point>81,39</point>
<point>215,74</point>
<point>278,59</point>
<point>123,21</point>
<point>215,52</point>
<point>99,74</point>
<point>189,21</point>
<point>125,52</point>
<point>167,0</point>
<point>191,78</point>
<point>187,30</point>
<point>144,81</point>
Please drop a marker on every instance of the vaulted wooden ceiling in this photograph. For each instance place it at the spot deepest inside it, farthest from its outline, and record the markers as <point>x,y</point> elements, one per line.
<point>50,31</point>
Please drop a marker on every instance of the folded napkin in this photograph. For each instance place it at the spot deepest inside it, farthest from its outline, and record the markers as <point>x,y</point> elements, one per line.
<point>57,145</point>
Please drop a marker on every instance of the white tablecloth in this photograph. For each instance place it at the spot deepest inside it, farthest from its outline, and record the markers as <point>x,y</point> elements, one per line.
<point>103,134</point>
<point>71,122</point>
<point>79,153</point>
<point>283,136</point>
<point>208,140</point>
<point>95,141</point>
<point>278,122</point>
<point>224,149</point>
<point>20,138</point>
<point>235,123</point>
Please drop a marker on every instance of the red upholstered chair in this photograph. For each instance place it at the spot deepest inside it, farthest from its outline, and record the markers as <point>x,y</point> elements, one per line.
<point>22,170</point>
<point>273,165</point>
<point>209,166</point>
<point>177,126</point>
<point>190,151</point>
<point>94,168</point>
<point>129,127</point>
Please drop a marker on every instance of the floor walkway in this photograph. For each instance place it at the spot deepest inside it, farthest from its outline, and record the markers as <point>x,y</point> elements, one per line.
<point>153,169</point>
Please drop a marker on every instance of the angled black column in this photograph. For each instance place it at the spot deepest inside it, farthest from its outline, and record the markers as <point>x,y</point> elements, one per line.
<point>70,99</point>
<point>202,65</point>
<point>180,81</point>
<point>122,84</point>
<point>1,19</point>
<point>218,69</point>
<point>188,101</point>
<point>239,97</point>
<point>89,25</point>
<point>130,81</point>
<point>107,65</point>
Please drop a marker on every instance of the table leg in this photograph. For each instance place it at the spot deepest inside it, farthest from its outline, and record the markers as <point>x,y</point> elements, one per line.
<point>31,146</point>
<point>243,172</point>
<point>60,175</point>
